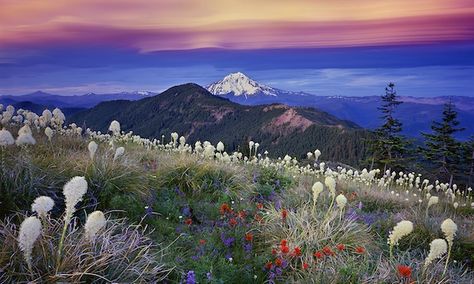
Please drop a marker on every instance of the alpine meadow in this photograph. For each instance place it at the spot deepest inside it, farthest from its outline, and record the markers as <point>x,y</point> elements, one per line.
<point>237,142</point>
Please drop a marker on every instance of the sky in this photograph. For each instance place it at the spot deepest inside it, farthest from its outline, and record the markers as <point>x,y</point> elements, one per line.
<point>336,47</point>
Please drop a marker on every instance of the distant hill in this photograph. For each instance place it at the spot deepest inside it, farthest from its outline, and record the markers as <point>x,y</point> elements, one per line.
<point>80,101</point>
<point>38,109</point>
<point>195,113</point>
<point>415,113</point>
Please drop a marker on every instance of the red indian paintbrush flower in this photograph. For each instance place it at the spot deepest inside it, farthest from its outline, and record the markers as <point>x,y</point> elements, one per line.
<point>404,271</point>
<point>305,266</point>
<point>341,247</point>
<point>279,262</point>
<point>284,214</point>
<point>248,237</point>
<point>360,250</point>
<point>188,221</point>
<point>318,255</point>
<point>232,222</point>
<point>297,251</point>
<point>225,208</point>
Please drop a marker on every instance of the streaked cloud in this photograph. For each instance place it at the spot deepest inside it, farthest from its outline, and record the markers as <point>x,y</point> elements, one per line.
<point>247,24</point>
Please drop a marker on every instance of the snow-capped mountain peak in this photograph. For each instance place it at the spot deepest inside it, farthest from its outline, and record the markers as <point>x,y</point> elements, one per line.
<point>238,84</point>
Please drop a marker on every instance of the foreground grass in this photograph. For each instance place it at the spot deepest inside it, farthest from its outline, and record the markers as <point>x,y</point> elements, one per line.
<point>220,222</point>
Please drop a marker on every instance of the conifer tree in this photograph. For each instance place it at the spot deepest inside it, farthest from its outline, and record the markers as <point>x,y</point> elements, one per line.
<point>389,147</point>
<point>442,151</point>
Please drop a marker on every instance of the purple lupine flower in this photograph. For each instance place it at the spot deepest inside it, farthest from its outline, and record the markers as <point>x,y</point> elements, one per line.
<point>227,241</point>
<point>209,276</point>
<point>191,277</point>
<point>360,205</point>
<point>248,247</point>
<point>186,211</point>
<point>278,205</point>
<point>178,191</point>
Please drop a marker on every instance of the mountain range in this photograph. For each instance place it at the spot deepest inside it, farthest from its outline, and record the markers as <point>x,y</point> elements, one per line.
<point>415,113</point>
<point>197,114</point>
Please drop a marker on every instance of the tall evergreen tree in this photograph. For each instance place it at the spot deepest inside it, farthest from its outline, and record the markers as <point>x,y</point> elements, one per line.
<point>442,150</point>
<point>469,160</point>
<point>389,147</point>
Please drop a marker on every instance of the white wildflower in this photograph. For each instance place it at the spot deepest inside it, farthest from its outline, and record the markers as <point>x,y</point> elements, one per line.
<point>92,147</point>
<point>403,228</point>
<point>341,201</point>
<point>48,132</point>
<point>449,229</point>
<point>114,127</point>
<point>42,205</point>
<point>317,189</point>
<point>331,184</point>
<point>95,222</point>
<point>6,138</point>
<point>73,190</point>
<point>432,201</point>
<point>438,247</point>
<point>30,230</point>
<point>220,146</point>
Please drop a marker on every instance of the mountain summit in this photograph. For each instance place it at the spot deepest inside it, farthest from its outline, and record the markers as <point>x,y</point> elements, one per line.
<point>239,84</point>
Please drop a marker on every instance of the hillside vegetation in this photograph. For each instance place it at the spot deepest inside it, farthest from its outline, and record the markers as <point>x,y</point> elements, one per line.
<point>82,206</point>
<point>197,114</point>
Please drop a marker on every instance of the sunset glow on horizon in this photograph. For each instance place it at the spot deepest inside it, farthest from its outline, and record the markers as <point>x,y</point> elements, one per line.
<point>80,46</point>
<point>178,24</point>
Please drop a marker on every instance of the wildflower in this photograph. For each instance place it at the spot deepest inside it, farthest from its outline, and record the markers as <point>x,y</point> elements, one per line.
<point>317,189</point>
<point>225,208</point>
<point>114,127</point>
<point>284,249</point>
<point>341,201</point>
<point>284,214</point>
<point>360,250</point>
<point>95,222</point>
<point>202,242</point>
<point>6,138</point>
<point>297,251</point>
<point>268,265</point>
<point>283,243</point>
<point>242,214</point>
<point>318,255</point>
<point>403,228</point>
<point>30,229</point>
<point>432,201</point>
<point>274,251</point>
<point>92,147</point>
<point>340,247</point>
<point>305,265</point>
<point>248,237</point>
<point>42,205</point>
<point>220,146</point>
<point>317,153</point>
<point>404,271</point>
<point>73,192</point>
<point>331,184</point>
<point>232,222</point>
<point>328,251</point>
<point>279,262</point>
<point>188,221</point>
<point>25,136</point>
<point>259,206</point>
<point>190,277</point>
<point>119,152</point>
<point>49,133</point>
<point>449,229</point>
<point>438,247</point>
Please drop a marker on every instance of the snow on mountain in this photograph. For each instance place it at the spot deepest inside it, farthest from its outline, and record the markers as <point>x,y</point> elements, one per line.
<point>238,84</point>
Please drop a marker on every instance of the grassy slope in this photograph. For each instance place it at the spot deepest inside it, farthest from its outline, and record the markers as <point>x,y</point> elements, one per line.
<point>181,197</point>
